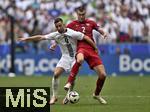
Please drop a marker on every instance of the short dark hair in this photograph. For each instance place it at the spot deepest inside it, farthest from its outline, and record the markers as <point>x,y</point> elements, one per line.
<point>82,8</point>
<point>58,20</point>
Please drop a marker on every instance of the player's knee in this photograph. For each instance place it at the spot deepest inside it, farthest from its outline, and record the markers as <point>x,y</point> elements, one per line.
<point>80,60</point>
<point>56,74</point>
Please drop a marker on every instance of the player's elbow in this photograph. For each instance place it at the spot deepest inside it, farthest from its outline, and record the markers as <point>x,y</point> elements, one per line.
<point>41,37</point>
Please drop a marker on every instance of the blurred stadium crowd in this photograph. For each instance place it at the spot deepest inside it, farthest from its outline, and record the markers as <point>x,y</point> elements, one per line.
<point>124,20</point>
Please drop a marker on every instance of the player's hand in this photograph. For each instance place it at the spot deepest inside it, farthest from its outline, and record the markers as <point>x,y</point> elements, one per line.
<point>52,47</point>
<point>105,35</point>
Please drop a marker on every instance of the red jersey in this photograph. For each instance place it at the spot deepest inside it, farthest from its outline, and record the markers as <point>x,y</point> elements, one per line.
<point>85,27</point>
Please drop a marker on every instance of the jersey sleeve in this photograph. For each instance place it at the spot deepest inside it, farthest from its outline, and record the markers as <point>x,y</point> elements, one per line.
<point>71,25</point>
<point>77,35</point>
<point>95,26</point>
<point>50,36</point>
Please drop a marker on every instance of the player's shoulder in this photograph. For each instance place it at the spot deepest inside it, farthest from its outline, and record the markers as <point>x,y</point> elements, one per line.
<point>70,30</point>
<point>51,35</point>
<point>55,33</point>
<point>90,21</point>
<point>73,22</point>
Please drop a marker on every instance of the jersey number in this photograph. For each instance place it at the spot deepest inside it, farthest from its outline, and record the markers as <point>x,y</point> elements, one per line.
<point>83,29</point>
<point>69,46</point>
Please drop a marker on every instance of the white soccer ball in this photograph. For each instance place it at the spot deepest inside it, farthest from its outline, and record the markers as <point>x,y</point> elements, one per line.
<point>73,97</point>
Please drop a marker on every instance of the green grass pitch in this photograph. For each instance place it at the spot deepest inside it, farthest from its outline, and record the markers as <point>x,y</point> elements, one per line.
<point>123,93</point>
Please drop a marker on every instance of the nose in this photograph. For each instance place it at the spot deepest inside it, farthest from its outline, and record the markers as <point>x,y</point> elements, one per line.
<point>58,28</point>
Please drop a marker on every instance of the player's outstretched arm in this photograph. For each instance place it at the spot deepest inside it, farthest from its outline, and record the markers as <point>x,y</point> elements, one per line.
<point>88,40</point>
<point>103,33</point>
<point>32,38</point>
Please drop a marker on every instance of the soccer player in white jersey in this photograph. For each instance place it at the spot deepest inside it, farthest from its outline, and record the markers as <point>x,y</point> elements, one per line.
<point>67,40</point>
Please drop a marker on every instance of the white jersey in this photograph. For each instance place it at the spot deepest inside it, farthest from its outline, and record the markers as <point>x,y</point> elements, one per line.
<point>137,28</point>
<point>68,44</point>
<point>124,24</point>
<point>67,41</point>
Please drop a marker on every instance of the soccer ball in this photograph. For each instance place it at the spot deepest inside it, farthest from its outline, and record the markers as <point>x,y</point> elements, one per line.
<point>73,97</point>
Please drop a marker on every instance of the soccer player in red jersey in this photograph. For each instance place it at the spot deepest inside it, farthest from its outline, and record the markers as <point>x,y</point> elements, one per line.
<point>87,53</point>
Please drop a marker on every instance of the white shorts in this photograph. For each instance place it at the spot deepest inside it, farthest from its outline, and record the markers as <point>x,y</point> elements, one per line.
<point>66,62</point>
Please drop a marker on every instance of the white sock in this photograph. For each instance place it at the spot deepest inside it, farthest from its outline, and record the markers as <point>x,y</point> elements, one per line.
<point>55,83</point>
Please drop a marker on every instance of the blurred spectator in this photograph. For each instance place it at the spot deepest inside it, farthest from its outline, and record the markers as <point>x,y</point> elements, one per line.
<point>116,16</point>
<point>147,24</point>
<point>124,23</point>
<point>137,28</point>
<point>112,28</point>
<point>2,31</point>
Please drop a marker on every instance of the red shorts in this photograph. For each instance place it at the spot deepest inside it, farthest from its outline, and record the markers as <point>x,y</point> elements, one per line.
<point>91,57</point>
